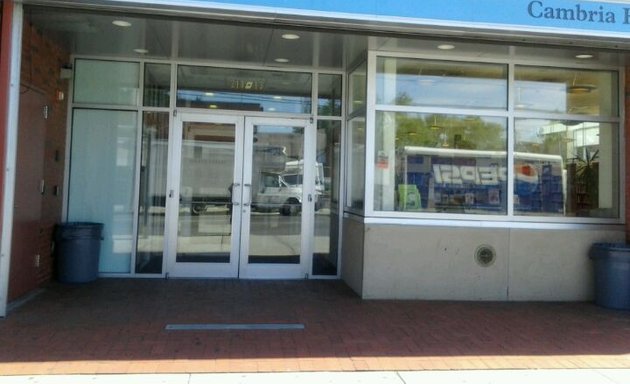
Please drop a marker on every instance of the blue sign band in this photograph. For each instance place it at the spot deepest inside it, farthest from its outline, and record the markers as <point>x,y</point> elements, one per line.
<point>602,18</point>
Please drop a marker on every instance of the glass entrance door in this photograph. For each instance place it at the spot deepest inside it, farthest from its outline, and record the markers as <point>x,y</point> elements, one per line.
<point>278,198</point>
<point>240,199</point>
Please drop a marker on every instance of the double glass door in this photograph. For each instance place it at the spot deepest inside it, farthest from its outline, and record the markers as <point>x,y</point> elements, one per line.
<point>241,197</point>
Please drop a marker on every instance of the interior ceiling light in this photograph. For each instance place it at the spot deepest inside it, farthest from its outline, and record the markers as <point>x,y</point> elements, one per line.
<point>579,88</point>
<point>141,51</point>
<point>582,88</point>
<point>435,125</point>
<point>281,60</point>
<point>290,36</point>
<point>277,97</point>
<point>121,23</point>
<point>446,47</point>
<point>209,93</point>
<point>584,56</point>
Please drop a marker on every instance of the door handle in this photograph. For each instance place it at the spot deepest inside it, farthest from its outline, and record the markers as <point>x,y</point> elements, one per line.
<point>249,200</point>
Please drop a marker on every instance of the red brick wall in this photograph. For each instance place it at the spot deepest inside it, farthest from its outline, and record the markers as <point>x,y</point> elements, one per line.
<point>42,60</point>
<point>627,152</point>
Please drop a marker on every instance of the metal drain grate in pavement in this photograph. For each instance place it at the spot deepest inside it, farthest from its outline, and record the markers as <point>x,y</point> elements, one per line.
<point>230,327</point>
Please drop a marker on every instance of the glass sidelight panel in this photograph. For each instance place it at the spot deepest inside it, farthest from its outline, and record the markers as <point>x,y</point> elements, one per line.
<point>276,194</point>
<point>152,203</point>
<point>102,179</point>
<point>205,193</point>
<point>327,178</point>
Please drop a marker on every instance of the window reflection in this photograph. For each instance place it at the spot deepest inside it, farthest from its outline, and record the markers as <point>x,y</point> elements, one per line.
<point>411,82</point>
<point>440,163</point>
<point>329,98</point>
<point>152,203</point>
<point>356,163</point>
<point>242,89</point>
<point>569,91</point>
<point>565,165</point>
<point>157,85</point>
<point>579,174</point>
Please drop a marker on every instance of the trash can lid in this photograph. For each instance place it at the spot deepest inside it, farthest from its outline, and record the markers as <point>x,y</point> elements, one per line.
<point>611,251</point>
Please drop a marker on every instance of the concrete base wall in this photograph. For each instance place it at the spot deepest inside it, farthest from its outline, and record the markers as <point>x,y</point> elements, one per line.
<point>352,251</point>
<point>438,263</point>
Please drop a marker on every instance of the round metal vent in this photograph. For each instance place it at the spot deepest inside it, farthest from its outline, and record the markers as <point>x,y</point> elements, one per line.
<point>485,255</point>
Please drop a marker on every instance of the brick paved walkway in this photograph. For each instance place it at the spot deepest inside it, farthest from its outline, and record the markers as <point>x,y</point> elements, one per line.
<point>118,326</point>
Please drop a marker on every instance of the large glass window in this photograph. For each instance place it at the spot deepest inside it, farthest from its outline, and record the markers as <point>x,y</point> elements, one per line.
<point>566,165</point>
<point>413,82</point>
<point>243,89</point>
<point>106,82</point>
<point>566,91</point>
<point>440,163</point>
<point>565,132</point>
<point>102,179</point>
<point>566,168</point>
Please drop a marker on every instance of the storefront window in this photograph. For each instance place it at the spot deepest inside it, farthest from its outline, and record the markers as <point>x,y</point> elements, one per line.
<point>412,82</point>
<point>440,163</point>
<point>566,132</point>
<point>566,168</point>
<point>566,91</point>
<point>243,89</point>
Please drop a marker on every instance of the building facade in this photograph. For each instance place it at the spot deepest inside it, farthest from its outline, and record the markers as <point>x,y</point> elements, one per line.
<point>452,151</point>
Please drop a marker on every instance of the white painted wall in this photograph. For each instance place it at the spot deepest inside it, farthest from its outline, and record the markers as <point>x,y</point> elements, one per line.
<point>438,263</point>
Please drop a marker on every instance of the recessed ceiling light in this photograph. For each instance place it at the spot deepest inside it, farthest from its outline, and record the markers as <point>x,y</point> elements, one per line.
<point>121,23</point>
<point>141,51</point>
<point>290,36</point>
<point>581,88</point>
<point>446,47</point>
<point>209,93</point>
<point>281,60</point>
<point>584,56</point>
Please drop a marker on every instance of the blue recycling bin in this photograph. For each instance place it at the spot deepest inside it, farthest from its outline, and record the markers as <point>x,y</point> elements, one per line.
<point>77,249</point>
<point>612,274</point>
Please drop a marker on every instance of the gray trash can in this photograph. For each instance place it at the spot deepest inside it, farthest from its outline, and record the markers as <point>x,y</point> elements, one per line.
<point>612,274</point>
<point>77,248</point>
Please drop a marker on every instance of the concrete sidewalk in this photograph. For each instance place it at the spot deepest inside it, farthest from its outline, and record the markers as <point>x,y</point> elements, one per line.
<point>573,376</point>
